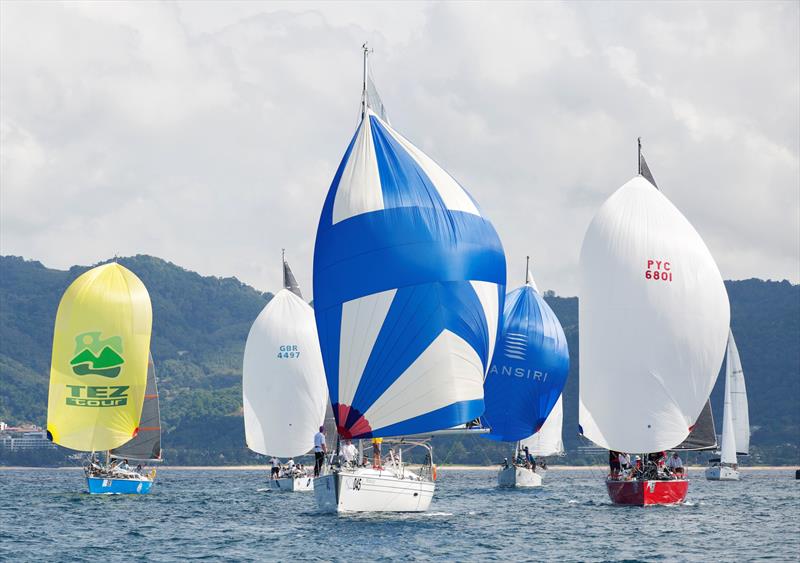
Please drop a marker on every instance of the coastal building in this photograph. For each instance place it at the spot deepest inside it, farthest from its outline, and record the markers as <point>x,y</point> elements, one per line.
<point>25,437</point>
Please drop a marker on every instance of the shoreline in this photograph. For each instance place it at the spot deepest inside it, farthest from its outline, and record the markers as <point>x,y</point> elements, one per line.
<point>692,468</point>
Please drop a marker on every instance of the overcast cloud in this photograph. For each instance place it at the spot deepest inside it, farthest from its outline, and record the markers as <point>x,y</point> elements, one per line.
<point>207,134</point>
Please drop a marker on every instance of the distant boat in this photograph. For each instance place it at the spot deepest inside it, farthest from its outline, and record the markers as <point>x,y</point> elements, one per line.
<point>654,318</point>
<point>409,280</point>
<point>525,380</point>
<point>99,377</point>
<point>735,420</point>
<point>283,383</point>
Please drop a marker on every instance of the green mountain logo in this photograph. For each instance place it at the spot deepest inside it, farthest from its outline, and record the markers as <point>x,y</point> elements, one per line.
<point>96,356</point>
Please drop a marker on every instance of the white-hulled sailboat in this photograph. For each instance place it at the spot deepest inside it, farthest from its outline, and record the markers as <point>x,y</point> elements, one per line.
<point>525,380</point>
<point>283,384</point>
<point>409,279</point>
<point>735,420</point>
<point>654,318</point>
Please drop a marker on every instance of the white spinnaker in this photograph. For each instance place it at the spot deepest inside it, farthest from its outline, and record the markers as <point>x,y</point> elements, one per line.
<point>739,409</point>
<point>284,388</point>
<point>547,441</point>
<point>650,349</point>
<point>728,434</point>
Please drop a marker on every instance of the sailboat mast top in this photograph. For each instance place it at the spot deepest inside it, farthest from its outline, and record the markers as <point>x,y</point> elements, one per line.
<point>639,156</point>
<point>365,48</point>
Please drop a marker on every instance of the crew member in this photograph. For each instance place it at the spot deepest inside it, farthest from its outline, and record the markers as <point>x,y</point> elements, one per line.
<point>613,463</point>
<point>349,452</point>
<point>376,452</point>
<point>276,468</point>
<point>675,464</point>
<point>320,449</point>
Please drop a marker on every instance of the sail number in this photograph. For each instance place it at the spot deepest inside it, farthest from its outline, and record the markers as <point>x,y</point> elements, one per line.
<point>288,351</point>
<point>658,270</point>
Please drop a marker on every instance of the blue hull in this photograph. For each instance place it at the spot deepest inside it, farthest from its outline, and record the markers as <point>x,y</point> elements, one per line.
<point>101,486</point>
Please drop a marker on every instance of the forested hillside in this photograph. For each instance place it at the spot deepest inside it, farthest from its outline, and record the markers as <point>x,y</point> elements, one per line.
<point>200,325</point>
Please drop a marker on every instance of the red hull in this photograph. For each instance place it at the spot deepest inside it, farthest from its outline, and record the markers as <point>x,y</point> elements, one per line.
<point>644,493</point>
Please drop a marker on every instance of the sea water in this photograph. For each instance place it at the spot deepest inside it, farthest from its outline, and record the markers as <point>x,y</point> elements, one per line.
<point>46,515</point>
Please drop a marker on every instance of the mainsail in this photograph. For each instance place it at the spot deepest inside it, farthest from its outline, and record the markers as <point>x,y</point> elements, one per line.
<point>654,318</point>
<point>98,373</point>
<point>283,384</point>
<point>409,280</point>
<point>146,445</point>
<point>740,416</point>
<point>703,435</point>
<point>529,367</point>
<point>547,441</point>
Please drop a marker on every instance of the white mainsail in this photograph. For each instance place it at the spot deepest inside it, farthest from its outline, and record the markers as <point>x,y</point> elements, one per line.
<point>728,435</point>
<point>654,318</point>
<point>547,441</point>
<point>283,381</point>
<point>734,377</point>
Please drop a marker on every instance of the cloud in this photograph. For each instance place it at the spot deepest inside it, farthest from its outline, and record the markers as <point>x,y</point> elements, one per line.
<point>208,133</point>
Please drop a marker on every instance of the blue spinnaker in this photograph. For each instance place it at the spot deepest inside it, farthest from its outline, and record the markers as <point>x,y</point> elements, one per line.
<point>529,367</point>
<point>409,280</point>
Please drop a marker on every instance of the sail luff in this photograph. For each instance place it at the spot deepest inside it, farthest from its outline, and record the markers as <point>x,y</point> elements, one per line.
<point>739,407</point>
<point>728,434</point>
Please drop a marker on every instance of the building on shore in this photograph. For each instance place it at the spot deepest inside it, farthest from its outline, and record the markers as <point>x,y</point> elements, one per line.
<point>25,437</point>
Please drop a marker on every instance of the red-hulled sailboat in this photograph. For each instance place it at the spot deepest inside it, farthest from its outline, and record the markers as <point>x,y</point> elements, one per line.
<point>654,318</point>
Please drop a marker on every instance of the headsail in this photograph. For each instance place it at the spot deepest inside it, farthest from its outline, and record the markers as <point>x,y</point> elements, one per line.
<point>654,318</point>
<point>289,281</point>
<point>547,441</point>
<point>283,383</point>
<point>98,373</point>
<point>529,367</point>
<point>734,376</point>
<point>728,433</point>
<point>703,435</point>
<point>409,280</point>
<point>146,445</point>
<point>644,170</point>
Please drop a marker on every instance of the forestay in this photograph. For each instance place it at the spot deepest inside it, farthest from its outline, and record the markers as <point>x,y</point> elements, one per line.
<point>529,367</point>
<point>283,383</point>
<point>146,445</point>
<point>654,319</point>
<point>734,376</point>
<point>409,280</point>
<point>547,441</point>
<point>98,373</point>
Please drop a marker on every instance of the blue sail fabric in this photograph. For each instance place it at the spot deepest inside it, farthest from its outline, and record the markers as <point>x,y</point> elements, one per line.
<point>409,280</point>
<point>529,367</point>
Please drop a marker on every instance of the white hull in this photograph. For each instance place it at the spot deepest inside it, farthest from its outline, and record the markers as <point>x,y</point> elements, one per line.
<point>518,477</point>
<point>292,484</point>
<point>370,490</point>
<point>722,473</point>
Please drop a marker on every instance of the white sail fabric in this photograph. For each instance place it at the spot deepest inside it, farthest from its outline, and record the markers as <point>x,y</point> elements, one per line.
<point>283,384</point>
<point>547,441</point>
<point>728,434</point>
<point>739,411</point>
<point>654,317</point>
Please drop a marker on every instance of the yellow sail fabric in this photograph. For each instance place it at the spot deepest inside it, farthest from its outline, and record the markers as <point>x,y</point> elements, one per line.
<point>98,373</point>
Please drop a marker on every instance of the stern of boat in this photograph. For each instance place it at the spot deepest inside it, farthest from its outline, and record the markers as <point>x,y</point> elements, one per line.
<point>111,486</point>
<point>647,492</point>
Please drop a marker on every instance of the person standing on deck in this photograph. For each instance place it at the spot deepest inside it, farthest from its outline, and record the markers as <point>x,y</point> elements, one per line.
<point>276,468</point>
<point>320,449</point>
<point>349,452</point>
<point>376,452</point>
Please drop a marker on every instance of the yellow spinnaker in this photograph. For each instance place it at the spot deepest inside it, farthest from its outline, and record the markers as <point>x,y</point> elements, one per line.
<point>98,373</point>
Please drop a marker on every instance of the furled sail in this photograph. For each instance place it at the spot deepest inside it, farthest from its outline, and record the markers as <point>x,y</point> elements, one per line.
<point>529,367</point>
<point>703,435</point>
<point>409,280</point>
<point>740,416</point>
<point>283,383</point>
<point>146,445</point>
<point>654,318</point>
<point>547,441</point>
<point>98,373</point>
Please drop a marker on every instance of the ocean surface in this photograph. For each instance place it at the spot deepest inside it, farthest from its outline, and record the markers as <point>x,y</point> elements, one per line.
<point>45,515</point>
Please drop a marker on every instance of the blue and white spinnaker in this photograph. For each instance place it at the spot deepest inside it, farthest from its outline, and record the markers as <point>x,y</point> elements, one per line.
<point>409,279</point>
<point>529,368</point>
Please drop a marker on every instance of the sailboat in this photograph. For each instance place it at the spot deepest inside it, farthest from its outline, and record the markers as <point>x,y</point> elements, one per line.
<point>654,317</point>
<point>525,380</point>
<point>283,383</point>
<point>409,281</point>
<point>735,419</point>
<point>99,374</point>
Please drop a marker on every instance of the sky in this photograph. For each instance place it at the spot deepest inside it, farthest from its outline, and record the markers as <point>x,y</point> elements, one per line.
<point>208,133</point>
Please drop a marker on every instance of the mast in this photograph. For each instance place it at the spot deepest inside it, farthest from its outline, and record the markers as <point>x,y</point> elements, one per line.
<point>527,269</point>
<point>639,156</point>
<point>365,48</point>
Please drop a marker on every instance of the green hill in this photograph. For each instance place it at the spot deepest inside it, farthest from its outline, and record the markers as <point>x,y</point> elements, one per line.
<point>200,325</point>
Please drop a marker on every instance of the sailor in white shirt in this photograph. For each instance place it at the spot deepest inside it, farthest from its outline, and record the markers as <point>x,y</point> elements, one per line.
<point>276,468</point>
<point>290,466</point>
<point>675,464</point>
<point>624,461</point>
<point>320,449</point>
<point>349,451</point>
